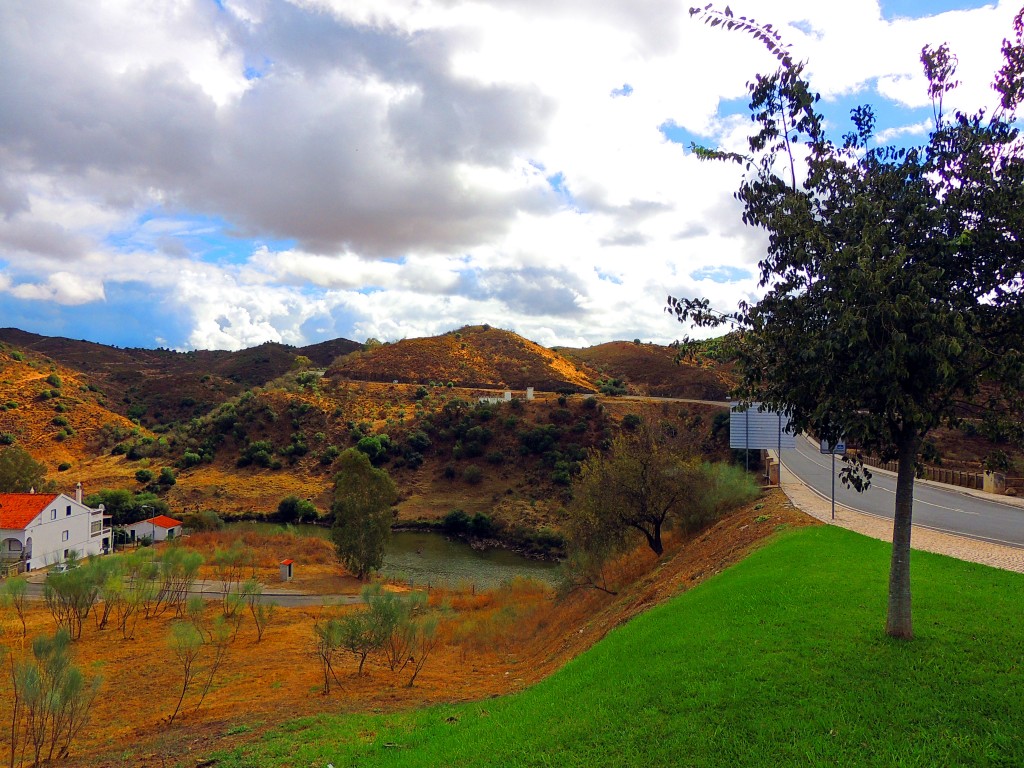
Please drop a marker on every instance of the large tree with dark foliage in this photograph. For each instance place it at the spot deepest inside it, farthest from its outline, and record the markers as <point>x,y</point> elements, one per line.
<point>20,473</point>
<point>640,486</point>
<point>894,300</point>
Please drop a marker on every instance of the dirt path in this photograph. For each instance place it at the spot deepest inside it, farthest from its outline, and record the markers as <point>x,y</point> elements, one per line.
<point>960,547</point>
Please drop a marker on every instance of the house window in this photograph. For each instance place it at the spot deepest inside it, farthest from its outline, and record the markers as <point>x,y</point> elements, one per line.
<point>68,513</point>
<point>53,514</point>
<point>64,536</point>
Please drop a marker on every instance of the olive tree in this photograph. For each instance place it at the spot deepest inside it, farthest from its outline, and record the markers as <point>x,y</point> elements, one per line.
<point>51,701</point>
<point>640,486</point>
<point>13,592</point>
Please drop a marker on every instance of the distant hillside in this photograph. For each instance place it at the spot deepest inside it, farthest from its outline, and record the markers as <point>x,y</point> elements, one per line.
<point>650,369</point>
<point>241,430</point>
<point>474,356</point>
<point>161,386</point>
<point>54,412</point>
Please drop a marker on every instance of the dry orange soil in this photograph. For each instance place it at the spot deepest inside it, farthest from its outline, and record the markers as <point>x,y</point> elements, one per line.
<point>493,644</point>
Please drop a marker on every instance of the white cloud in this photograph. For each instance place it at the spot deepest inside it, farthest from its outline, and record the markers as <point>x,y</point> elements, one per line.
<point>916,129</point>
<point>381,166</point>
<point>61,288</point>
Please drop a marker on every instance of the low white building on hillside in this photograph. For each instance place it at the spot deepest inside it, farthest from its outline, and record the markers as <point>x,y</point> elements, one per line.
<point>37,529</point>
<point>159,528</point>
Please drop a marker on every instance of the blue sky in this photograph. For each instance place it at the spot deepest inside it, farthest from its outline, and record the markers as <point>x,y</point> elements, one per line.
<point>251,170</point>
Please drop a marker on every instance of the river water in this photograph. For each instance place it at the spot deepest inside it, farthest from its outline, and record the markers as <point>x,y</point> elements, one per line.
<point>423,557</point>
<point>431,557</point>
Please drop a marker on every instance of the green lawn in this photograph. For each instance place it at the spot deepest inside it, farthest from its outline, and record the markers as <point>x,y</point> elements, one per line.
<point>780,660</point>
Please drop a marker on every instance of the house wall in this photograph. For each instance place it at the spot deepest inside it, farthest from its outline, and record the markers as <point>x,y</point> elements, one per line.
<point>64,525</point>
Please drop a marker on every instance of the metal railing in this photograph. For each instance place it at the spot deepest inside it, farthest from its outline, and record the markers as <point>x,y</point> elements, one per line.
<point>958,477</point>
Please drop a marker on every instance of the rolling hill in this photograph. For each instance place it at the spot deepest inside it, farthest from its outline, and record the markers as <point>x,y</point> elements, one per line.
<point>244,429</point>
<point>652,370</point>
<point>161,386</point>
<point>474,356</point>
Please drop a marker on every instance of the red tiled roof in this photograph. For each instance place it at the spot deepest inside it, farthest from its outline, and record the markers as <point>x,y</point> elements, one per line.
<point>163,521</point>
<point>17,510</point>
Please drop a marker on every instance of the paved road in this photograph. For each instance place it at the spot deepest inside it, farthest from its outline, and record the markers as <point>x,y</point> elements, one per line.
<point>950,511</point>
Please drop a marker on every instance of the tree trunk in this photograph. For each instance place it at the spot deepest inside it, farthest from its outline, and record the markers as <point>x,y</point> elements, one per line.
<point>898,622</point>
<point>654,540</point>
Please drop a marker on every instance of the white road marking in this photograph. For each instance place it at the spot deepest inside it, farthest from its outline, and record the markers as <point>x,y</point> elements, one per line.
<point>812,458</point>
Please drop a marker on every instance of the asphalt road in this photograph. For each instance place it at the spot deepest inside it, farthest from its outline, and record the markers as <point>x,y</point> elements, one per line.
<point>950,511</point>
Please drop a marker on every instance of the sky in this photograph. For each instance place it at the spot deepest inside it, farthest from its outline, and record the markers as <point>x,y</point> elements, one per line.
<point>215,174</point>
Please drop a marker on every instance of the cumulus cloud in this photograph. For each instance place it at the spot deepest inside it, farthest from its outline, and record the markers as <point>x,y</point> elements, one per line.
<point>305,169</point>
<point>61,288</point>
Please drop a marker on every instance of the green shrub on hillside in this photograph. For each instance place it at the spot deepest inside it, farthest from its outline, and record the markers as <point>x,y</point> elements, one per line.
<point>190,459</point>
<point>258,452</point>
<point>539,440</point>
<point>147,448</point>
<point>418,440</point>
<point>631,421</point>
<point>610,386</point>
<point>375,447</point>
<point>730,487</point>
<point>473,474</point>
<point>329,454</point>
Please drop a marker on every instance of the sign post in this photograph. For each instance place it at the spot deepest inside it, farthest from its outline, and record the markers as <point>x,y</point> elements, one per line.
<point>835,448</point>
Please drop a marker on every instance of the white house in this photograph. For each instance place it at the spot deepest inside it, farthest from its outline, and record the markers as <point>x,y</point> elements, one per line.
<point>157,528</point>
<point>38,529</point>
<point>506,399</point>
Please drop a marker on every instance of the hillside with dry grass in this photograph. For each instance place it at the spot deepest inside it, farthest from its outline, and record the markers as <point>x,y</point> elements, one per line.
<point>239,450</point>
<point>474,356</point>
<point>55,412</point>
<point>446,449</point>
<point>653,370</point>
<point>161,386</point>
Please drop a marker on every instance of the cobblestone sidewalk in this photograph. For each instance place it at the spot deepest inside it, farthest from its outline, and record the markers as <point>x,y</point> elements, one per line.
<point>960,547</point>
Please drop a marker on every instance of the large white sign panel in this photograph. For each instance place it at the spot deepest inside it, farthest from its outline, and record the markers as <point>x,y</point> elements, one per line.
<point>754,429</point>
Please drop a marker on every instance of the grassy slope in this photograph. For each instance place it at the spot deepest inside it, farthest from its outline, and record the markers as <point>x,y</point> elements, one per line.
<point>778,661</point>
